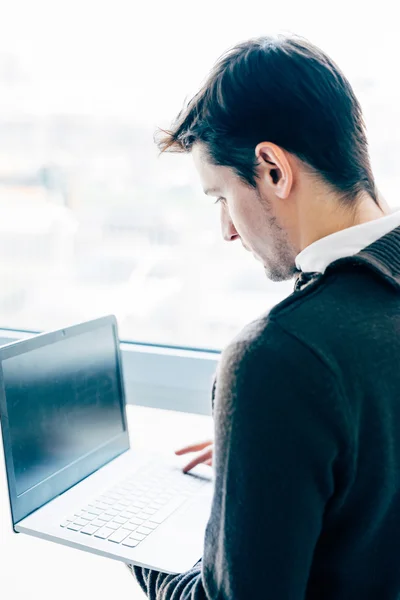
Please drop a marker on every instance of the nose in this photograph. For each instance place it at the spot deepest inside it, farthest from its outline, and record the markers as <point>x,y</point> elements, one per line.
<point>228,229</point>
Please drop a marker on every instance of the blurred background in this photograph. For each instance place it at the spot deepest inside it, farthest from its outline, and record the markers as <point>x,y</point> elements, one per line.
<point>92,221</point>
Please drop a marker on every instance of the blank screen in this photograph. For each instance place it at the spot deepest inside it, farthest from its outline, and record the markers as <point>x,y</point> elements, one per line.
<point>63,401</point>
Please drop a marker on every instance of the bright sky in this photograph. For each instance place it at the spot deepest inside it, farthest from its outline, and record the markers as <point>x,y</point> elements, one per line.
<point>125,56</point>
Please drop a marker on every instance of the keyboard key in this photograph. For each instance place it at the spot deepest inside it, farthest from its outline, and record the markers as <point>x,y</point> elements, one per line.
<point>65,523</point>
<point>156,505</point>
<point>119,507</point>
<point>112,512</point>
<point>97,523</point>
<point>89,529</point>
<point>87,516</point>
<point>164,499</point>
<point>137,536</point>
<point>144,530</point>
<point>151,525</point>
<point>131,526</point>
<point>131,498</point>
<point>123,502</point>
<point>130,542</point>
<point>113,525</point>
<point>105,517</point>
<point>104,532</point>
<point>101,506</point>
<point>74,527</point>
<point>149,511</point>
<point>142,515</point>
<point>136,521</point>
<point>120,520</point>
<point>126,515</point>
<point>107,501</point>
<point>126,488</point>
<point>80,522</point>
<point>132,509</point>
<point>115,496</point>
<point>119,535</point>
<point>138,504</point>
<point>92,510</point>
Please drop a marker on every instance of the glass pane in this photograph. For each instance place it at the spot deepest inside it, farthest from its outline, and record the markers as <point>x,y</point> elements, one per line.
<point>91,219</point>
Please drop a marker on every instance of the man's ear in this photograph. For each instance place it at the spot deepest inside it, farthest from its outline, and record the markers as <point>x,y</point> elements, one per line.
<point>274,168</point>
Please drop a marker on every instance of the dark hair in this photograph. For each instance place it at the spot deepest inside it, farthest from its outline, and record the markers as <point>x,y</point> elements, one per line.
<point>283,90</point>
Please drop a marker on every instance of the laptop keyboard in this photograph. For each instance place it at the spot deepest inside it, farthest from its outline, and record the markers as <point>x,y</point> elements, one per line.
<point>130,511</point>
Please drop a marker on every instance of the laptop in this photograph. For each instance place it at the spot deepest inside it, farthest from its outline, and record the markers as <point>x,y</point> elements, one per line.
<point>72,477</point>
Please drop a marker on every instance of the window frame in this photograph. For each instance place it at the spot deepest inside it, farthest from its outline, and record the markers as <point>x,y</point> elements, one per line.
<point>155,376</point>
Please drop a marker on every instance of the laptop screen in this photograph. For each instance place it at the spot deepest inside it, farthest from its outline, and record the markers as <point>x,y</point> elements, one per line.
<point>64,403</point>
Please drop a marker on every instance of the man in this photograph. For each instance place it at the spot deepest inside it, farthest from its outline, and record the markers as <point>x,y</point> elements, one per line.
<point>307,397</point>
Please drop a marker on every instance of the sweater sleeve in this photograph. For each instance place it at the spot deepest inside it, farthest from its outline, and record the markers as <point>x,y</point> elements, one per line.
<point>280,438</point>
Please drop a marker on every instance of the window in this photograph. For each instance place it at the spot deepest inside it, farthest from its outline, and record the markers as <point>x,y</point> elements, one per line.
<point>91,220</point>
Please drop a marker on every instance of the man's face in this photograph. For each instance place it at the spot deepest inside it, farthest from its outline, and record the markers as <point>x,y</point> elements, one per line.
<point>248,215</point>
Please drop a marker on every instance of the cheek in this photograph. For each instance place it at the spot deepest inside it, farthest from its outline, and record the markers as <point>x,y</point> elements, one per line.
<point>239,211</point>
<point>248,218</point>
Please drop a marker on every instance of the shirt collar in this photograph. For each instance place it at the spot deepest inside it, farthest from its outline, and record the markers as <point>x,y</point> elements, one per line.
<point>348,242</point>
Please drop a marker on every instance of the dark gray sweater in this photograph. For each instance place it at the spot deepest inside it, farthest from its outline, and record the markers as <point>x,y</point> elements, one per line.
<point>307,456</point>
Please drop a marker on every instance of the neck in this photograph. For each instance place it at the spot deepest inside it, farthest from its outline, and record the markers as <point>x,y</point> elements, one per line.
<point>325,217</point>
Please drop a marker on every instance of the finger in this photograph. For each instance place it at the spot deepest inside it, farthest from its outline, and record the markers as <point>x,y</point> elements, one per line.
<point>200,458</point>
<point>193,448</point>
<point>209,462</point>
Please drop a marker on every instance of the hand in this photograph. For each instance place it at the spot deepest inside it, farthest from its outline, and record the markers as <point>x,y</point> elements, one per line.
<point>205,454</point>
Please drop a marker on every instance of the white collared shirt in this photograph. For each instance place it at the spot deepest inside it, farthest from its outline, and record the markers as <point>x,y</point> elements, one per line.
<point>348,242</point>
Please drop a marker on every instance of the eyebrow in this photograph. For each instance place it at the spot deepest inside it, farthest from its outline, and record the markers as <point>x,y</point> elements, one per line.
<point>213,190</point>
